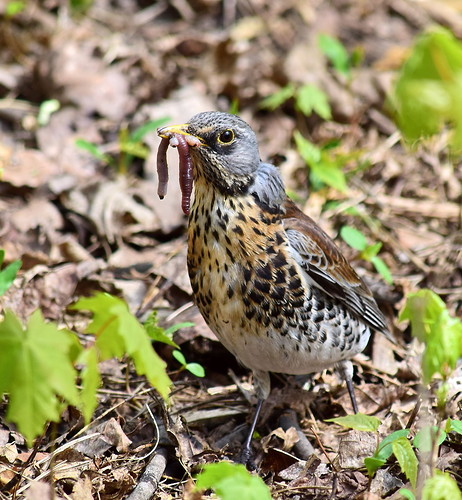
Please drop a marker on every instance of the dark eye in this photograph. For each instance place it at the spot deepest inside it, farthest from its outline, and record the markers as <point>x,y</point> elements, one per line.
<point>226,137</point>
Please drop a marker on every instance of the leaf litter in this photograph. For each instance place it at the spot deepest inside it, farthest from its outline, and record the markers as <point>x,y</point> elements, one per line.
<point>82,226</point>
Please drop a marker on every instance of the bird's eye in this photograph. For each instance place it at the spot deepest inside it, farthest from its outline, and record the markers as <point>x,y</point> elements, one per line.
<point>226,137</point>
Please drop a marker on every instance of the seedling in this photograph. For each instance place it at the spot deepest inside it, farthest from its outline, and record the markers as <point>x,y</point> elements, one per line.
<point>194,368</point>
<point>130,145</point>
<point>358,241</point>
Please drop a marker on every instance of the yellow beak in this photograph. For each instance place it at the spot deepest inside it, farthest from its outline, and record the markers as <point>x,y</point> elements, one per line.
<point>167,132</point>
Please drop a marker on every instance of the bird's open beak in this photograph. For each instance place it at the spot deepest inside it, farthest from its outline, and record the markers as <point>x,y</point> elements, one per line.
<point>171,130</point>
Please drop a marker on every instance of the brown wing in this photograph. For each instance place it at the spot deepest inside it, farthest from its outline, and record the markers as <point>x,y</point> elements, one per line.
<point>327,268</point>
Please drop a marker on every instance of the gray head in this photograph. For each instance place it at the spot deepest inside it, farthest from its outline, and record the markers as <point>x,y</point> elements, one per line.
<point>228,156</point>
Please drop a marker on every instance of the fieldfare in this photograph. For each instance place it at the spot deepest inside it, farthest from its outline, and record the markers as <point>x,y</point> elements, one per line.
<point>269,282</point>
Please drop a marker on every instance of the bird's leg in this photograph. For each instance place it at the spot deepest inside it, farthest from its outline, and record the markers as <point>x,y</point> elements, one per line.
<point>262,383</point>
<point>345,369</point>
<point>247,450</point>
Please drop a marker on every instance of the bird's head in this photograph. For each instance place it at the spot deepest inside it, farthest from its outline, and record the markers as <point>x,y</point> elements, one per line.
<point>226,150</point>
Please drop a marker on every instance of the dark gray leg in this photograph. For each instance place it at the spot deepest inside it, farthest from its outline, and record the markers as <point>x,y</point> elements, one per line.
<point>345,368</point>
<point>247,449</point>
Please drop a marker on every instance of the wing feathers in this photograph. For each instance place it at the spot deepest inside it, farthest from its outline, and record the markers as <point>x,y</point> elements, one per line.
<point>327,268</point>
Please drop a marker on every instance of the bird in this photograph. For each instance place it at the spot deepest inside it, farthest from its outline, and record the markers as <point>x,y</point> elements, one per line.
<point>270,283</point>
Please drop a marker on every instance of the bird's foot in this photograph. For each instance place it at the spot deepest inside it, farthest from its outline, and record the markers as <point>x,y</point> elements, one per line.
<point>245,458</point>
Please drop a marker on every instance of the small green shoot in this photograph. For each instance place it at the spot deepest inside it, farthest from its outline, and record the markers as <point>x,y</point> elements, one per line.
<point>37,372</point>
<point>308,99</point>
<point>358,422</point>
<point>358,241</point>
<point>441,334</point>
<point>95,151</point>
<point>8,274</point>
<point>46,109</point>
<point>159,334</point>
<point>194,368</point>
<point>231,481</point>
<point>383,452</point>
<point>325,169</point>
<point>336,53</point>
<point>427,93</point>
<point>130,145</point>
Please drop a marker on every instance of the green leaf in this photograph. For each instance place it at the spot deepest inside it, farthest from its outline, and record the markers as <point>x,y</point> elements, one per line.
<point>118,332</point>
<point>322,168</point>
<point>275,100</point>
<point>91,381</point>
<point>309,152</point>
<point>359,422</point>
<point>196,369</point>
<point>232,481</point>
<point>427,93</point>
<point>373,464</point>
<point>309,98</point>
<point>432,324</point>
<point>455,426</point>
<point>36,371</point>
<point>172,329</point>
<point>407,460</point>
<point>353,237</point>
<point>179,356</point>
<point>8,275</point>
<point>336,53</point>
<point>157,333</point>
<point>382,269</point>
<point>424,438</point>
<point>441,486</point>
<point>407,494</point>
<point>371,251</point>
<point>94,150</point>
<point>385,448</point>
<point>151,126</point>
<point>331,174</point>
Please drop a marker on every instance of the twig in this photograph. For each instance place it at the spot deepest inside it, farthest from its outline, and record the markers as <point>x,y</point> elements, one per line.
<point>150,478</point>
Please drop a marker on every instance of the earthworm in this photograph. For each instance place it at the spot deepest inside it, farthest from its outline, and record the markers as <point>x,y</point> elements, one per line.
<point>162,169</point>
<point>186,173</point>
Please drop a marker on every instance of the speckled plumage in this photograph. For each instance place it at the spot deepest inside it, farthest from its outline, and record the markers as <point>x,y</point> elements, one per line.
<point>269,282</point>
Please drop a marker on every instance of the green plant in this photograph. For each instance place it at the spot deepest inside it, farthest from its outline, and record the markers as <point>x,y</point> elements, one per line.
<point>325,165</point>
<point>441,335</point>
<point>8,274</point>
<point>428,91</point>
<point>130,145</point>
<point>231,481</point>
<point>335,53</point>
<point>358,241</point>
<point>396,444</point>
<point>194,368</point>
<point>38,362</point>
<point>307,99</point>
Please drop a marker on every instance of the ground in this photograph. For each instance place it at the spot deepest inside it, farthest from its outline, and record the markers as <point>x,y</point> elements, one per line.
<point>81,224</point>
